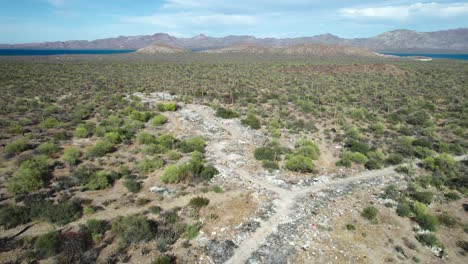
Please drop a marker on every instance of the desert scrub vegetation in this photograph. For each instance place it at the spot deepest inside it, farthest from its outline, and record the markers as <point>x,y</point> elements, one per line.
<point>36,208</point>
<point>381,118</point>
<point>159,120</point>
<point>192,171</point>
<point>48,148</point>
<point>132,185</point>
<point>252,121</point>
<point>30,176</point>
<point>192,144</point>
<point>198,202</point>
<point>270,152</point>
<point>133,229</point>
<point>99,181</point>
<point>100,149</point>
<point>169,106</point>
<point>17,146</point>
<point>226,113</point>
<point>301,158</point>
<point>148,165</point>
<point>370,213</point>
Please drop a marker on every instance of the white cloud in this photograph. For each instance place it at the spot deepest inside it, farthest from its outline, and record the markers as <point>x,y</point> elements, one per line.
<point>403,12</point>
<point>183,19</point>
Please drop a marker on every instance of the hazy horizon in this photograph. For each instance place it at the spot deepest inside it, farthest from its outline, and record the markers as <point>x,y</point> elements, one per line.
<point>27,21</point>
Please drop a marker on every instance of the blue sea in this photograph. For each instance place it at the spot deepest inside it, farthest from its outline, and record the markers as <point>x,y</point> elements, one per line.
<point>45,52</point>
<point>434,56</point>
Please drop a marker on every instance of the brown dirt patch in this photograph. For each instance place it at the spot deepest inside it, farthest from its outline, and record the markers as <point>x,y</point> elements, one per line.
<point>229,214</point>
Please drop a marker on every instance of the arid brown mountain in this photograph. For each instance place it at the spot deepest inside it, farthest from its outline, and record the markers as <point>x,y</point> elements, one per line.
<point>161,48</point>
<point>320,50</point>
<point>455,40</point>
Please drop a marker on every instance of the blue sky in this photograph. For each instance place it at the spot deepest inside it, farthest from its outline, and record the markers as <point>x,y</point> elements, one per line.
<point>54,20</point>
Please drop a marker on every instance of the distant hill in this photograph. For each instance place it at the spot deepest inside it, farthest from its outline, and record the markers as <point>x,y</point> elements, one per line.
<point>455,40</point>
<point>160,48</point>
<point>320,50</point>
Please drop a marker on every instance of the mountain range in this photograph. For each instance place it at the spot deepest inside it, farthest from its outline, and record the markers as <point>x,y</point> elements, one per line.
<point>454,40</point>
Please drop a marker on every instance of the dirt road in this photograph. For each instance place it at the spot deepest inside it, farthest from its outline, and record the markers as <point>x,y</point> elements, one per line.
<point>235,137</point>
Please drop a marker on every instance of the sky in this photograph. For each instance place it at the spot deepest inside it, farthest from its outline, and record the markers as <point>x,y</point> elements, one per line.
<point>24,21</point>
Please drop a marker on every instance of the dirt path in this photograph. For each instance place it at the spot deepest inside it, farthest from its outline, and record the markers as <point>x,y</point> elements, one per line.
<point>230,149</point>
<point>232,136</point>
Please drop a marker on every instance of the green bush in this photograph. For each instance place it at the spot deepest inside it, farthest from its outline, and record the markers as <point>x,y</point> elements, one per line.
<point>299,163</point>
<point>370,213</point>
<point>47,148</point>
<point>251,121</point>
<point>164,259</point>
<point>172,174</point>
<point>427,222</point>
<point>82,132</point>
<point>191,231</point>
<point>191,170</point>
<point>152,149</point>
<point>99,181</point>
<point>378,128</point>
<point>12,216</point>
<point>83,174</point>
<point>155,209</point>
<point>394,159</point>
<point>404,209</point>
<point>51,123</point>
<point>405,145</point>
<point>429,240</point>
<point>348,157</point>
<point>17,146</point>
<point>193,144</point>
<point>391,192</point>
<point>418,208</point>
<point>344,163</point>
<point>423,197</point>
<point>100,149</point>
<point>132,186</point>
<point>445,163</point>
<point>376,160</point>
<point>173,155</point>
<point>145,138</point>
<point>95,226</point>
<point>406,169</point>
<point>141,116</point>
<point>266,153</point>
<point>422,152</point>
<point>113,137</point>
<point>357,146</point>
<point>30,176</point>
<point>170,106</point>
<point>452,196</point>
<point>71,156</point>
<point>133,229</point>
<point>350,227</point>
<point>61,213</point>
<point>447,220</point>
<point>167,141</point>
<point>226,113</point>
<point>47,245</point>
<point>208,172</point>
<point>198,202</point>
<point>159,120</point>
<point>308,149</point>
<point>217,189</point>
<point>149,165</point>
<point>270,165</point>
